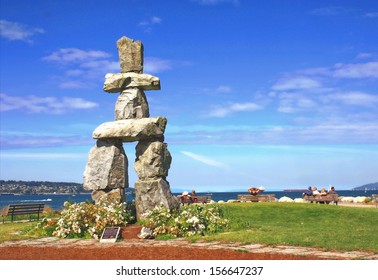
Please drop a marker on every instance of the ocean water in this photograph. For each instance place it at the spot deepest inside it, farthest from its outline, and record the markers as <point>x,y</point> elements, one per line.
<point>56,201</point>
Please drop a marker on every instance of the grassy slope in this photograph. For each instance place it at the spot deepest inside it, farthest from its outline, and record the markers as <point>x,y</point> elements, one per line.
<point>326,226</point>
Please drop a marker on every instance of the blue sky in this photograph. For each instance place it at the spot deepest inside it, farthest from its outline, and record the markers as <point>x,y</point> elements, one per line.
<point>276,93</point>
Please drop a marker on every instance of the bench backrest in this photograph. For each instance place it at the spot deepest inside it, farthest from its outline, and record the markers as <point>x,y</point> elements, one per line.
<point>328,197</point>
<point>195,199</point>
<point>202,199</point>
<point>21,209</point>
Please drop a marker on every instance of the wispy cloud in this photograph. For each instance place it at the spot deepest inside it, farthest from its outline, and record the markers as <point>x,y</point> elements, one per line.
<point>290,83</point>
<point>293,102</point>
<point>82,68</point>
<point>15,31</point>
<point>228,109</point>
<point>372,15</point>
<point>356,71</point>
<point>148,24</point>
<point>74,55</point>
<point>365,55</point>
<point>11,141</point>
<point>156,65</point>
<point>86,68</point>
<point>318,89</point>
<point>218,89</point>
<point>353,129</point>
<point>355,98</point>
<point>329,11</point>
<point>46,105</point>
<point>223,89</point>
<point>44,155</point>
<point>205,160</point>
<point>216,2</point>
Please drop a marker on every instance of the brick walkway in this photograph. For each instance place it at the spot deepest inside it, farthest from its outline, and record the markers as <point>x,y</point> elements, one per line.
<point>252,248</point>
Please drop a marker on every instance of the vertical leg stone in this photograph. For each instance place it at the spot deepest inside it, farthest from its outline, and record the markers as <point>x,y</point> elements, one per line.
<point>152,192</point>
<point>152,164</point>
<point>106,172</point>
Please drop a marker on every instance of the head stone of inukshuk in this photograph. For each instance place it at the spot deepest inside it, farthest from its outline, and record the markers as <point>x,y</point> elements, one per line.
<point>106,172</point>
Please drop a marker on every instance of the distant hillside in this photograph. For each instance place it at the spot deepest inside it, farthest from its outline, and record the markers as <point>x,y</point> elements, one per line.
<point>371,186</point>
<point>38,187</point>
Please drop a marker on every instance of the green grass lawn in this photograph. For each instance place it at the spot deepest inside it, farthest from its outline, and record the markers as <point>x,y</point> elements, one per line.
<point>17,231</point>
<point>327,226</point>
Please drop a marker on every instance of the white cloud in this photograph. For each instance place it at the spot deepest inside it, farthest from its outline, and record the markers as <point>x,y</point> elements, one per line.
<point>329,11</point>
<point>156,65</point>
<point>223,111</point>
<point>356,71</point>
<point>83,68</point>
<point>25,140</point>
<point>372,15</point>
<point>355,98</point>
<point>216,2</point>
<point>74,55</point>
<point>294,102</point>
<point>147,24</point>
<point>47,105</point>
<point>295,83</point>
<point>14,31</point>
<point>223,89</point>
<point>44,155</point>
<point>365,55</point>
<point>205,160</point>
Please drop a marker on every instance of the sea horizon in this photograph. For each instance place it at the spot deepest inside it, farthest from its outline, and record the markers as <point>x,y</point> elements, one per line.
<point>56,201</point>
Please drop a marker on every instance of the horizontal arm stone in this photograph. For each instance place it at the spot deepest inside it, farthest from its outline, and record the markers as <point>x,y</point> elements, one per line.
<point>132,130</point>
<point>121,81</point>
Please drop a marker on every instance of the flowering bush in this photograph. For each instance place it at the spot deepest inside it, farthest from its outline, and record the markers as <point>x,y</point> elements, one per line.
<point>88,219</point>
<point>188,221</point>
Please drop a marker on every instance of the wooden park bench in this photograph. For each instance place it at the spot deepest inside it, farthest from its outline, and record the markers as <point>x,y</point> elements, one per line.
<point>256,198</point>
<point>195,199</point>
<point>322,198</point>
<point>22,209</point>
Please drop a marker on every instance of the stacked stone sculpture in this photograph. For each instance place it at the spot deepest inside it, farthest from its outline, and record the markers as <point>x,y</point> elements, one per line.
<point>106,173</point>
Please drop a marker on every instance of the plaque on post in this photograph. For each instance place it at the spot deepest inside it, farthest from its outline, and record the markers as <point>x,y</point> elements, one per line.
<point>110,234</point>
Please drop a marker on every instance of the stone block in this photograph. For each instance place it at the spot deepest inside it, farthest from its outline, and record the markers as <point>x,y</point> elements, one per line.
<point>131,104</point>
<point>109,195</point>
<point>131,130</point>
<point>130,55</point>
<point>153,192</point>
<point>106,166</point>
<point>153,160</point>
<point>121,81</point>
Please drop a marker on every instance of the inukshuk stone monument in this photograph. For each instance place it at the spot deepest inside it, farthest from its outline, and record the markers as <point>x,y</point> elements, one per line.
<point>106,173</point>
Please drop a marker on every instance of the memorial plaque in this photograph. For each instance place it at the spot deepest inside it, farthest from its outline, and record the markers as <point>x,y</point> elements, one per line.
<point>110,234</point>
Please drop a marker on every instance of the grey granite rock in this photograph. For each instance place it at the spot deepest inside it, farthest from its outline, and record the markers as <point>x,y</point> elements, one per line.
<point>131,104</point>
<point>152,192</point>
<point>132,129</point>
<point>121,81</point>
<point>106,167</point>
<point>153,160</point>
<point>130,55</point>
